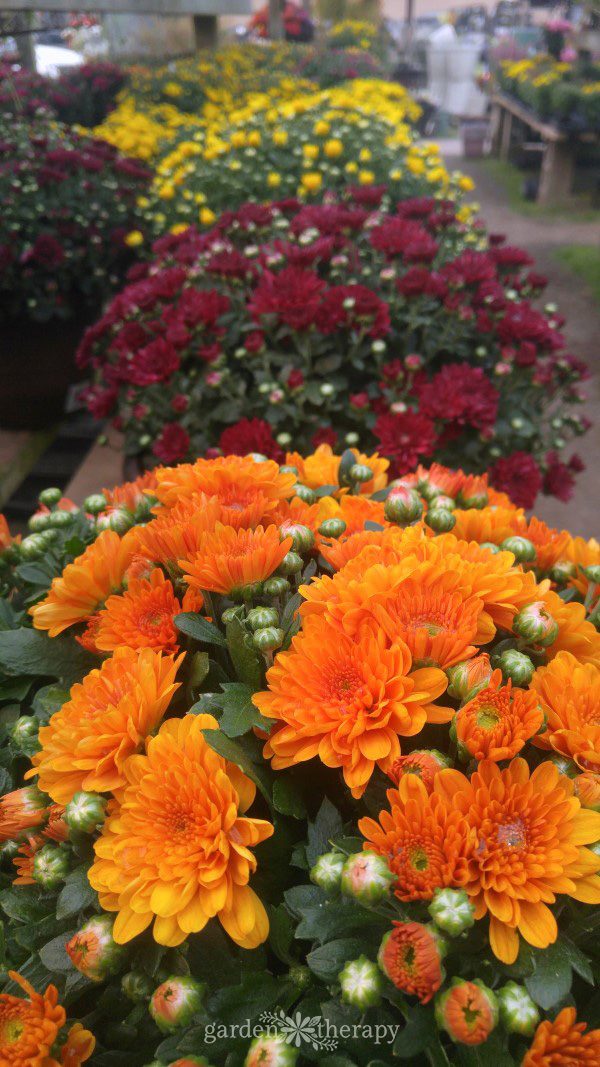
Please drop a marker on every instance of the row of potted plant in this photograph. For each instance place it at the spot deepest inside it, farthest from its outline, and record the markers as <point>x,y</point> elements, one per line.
<point>564,92</point>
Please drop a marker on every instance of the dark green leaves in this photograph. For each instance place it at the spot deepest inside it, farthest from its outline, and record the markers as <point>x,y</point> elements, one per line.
<point>239,713</point>
<point>551,978</point>
<point>75,895</point>
<point>232,750</point>
<point>194,626</point>
<point>328,824</point>
<point>26,651</point>
<point>244,656</point>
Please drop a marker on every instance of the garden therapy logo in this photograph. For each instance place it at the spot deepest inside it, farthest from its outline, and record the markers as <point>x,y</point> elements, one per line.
<point>298,1030</point>
<point>309,1029</point>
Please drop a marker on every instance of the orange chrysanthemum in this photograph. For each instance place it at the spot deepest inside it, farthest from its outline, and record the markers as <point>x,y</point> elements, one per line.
<point>355,511</point>
<point>584,554</point>
<point>528,833</point>
<point>499,720</point>
<point>563,1042</point>
<point>142,617</point>
<point>229,559</point>
<point>424,840</point>
<point>410,957</point>
<point>78,1047</point>
<point>491,524</point>
<point>20,810</point>
<point>550,544</point>
<point>177,850</point>
<point>587,789</point>
<point>569,693</point>
<point>345,701</point>
<point>467,1013</point>
<point>321,468</point>
<point>425,765</point>
<point>23,861</point>
<point>295,511</point>
<point>223,477</point>
<point>131,494</point>
<point>85,584</point>
<point>107,717</point>
<point>6,537</point>
<point>575,633</point>
<point>177,532</point>
<point>30,1028</point>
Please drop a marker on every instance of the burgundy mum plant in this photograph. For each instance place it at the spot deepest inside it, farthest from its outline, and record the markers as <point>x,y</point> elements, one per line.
<point>355,322</point>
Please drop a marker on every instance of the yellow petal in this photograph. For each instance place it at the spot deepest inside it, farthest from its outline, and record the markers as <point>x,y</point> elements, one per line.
<point>537,924</point>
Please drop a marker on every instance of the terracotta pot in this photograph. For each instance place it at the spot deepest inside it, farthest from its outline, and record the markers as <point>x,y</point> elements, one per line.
<point>37,366</point>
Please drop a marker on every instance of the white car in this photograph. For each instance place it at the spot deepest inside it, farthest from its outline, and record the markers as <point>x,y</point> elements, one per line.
<point>50,59</point>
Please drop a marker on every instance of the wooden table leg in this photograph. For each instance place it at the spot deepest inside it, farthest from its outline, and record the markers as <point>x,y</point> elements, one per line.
<point>556,178</point>
<point>495,128</point>
<point>506,137</point>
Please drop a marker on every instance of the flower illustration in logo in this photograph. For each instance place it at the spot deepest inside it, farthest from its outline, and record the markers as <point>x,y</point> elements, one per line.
<point>298,1029</point>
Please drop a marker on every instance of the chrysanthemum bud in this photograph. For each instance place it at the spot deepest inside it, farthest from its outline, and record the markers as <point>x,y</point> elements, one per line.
<point>403,505</point>
<point>518,1012</point>
<point>33,547</point>
<point>39,522</point>
<point>521,547</point>
<point>303,538</point>
<point>248,592</point>
<point>563,571</point>
<point>536,624</point>
<point>332,528</point>
<point>593,573</point>
<point>516,666</point>
<point>24,729</point>
<point>85,812</point>
<point>444,501</point>
<point>359,472</point>
<point>587,790</point>
<point>260,618</point>
<point>468,678</point>
<point>271,1050</point>
<point>268,639</point>
<point>175,1001</point>
<point>95,503</point>
<point>119,519</point>
<point>467,1011</point>
<point>490,547</point>
<point>301,976</point>
<point>50,497</point>
<point>424,762</point>
<point>361,983</point>
<point>137,986</point>
<point>288,469</point>
<point>50,866</point>
<point>291,563</point>
<point>93,951</point>
<point>327,871</point>
<point>59,520</point>
<point>410,955</point>
<point>440,519</point>
<point>367,877</point>
<point>276,587</point>
<point>230,614</point>
<point>475,500</point>
<point>452,911</point>
<point>306,495</point>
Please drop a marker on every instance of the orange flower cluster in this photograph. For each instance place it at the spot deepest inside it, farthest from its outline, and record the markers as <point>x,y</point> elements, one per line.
<point>29,1030</point>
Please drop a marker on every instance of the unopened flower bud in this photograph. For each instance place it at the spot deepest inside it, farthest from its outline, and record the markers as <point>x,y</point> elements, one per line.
<point>452,911</point>
<point>587,790</point>
<point>288,469</point>
<point>474,500</point>
<point>258,457</point>
<point>518,1012</point>
<point>536,624</point>
<point>403,505</point>
<point>327,389</point>
<point>516,666</point>
<point>302,537</point>
<point>276,587</point>
<point>50,866</point>
<point>490,547</point>
<point>273,1051</point>
<point>367,877</point>
<point>33,547</point>
<point>290,564</point>
<point>39,522</point>
<point>467,1011</point>
<point>332,528</point>
<point>119,519</point>
<point>359,472</point>
<point>248,592</point>
<point>327,871</point>
<point>307,496</point>
<point>440,519</point>
<point>563,571</point>
<point>268,639</point>
<point>521,547</point>
<point>410,955</point>
<point>468,678</point>
<point>444,501</point>
<point>137,986</point>
<point>230,614</point>
<point>93,951</point>
<point>50,497</point>
<point>593,573</point>
<point>361,983</point>
<point>85,812</point>
<point>423,762</point>
<point>260,618</point>
<point>59,520</point>
<point>24,730</point>
<point>351,439</point>
<point>95,503</point>
<point>173,1003</point>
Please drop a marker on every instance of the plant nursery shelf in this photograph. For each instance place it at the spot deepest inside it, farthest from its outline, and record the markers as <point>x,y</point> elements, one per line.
<point>135,7</point>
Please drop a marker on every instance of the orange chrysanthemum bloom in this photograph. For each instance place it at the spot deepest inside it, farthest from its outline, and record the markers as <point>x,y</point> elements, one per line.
<point>20,810</point>
<point>528,833</point>
<point>424,840</point>
<point>569,693</point>
<point>355,511</point>
<point>575,633</point>
<point>564,1043</point>
<point>6,537</point>
<point>130,494</point>
<point>410,958</point>
<point>584,554</point>
<point>499,720</point>
<point>108,715</point>
<point>492,524</point>
<point>85,584</point>
<point>30,1028</point>
<point>295,511</point>
<point>23,861</point>
<point>321,468</point>
<point>223,478</point>
<point>177,850</point>
<point>177,532</point>
<point>422,763</point>
<point>229,559</point>
<point>550,544</point>
<point>346,701</point>
<point>142,617</point>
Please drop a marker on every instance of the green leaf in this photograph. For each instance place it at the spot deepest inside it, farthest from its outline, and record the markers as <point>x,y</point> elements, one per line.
<point>327,825</point>
<point>233,750</point>
<point>196,627</point>
<point>300,897</point>
<point>75,895</point>
<point>26,651</point>
<point>287,798</point>
<point>417,1034</point>
<point>346,463</point>
<point>339,919</point>
<point>281,934</point>
<point>327,961</point>
<point>551,978</point>
<point>237,1004</point>
<point>493,1053</point>
<point>200,664</point>
<point>208,704</point>
<point>325,490</point>
<point>24,904</point>
<point>244,657</point>
<point>576,959</point>
<point>239,713</point>
<point>54,954</point>
<point>381,494</point>
<point>47,700</point>
<point>15,690</point>
<point>373,527</point>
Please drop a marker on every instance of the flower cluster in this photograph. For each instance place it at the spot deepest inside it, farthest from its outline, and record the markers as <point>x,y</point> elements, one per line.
<point>564,92</point>
<point>301,721</point>
<point>84,95</point>
<point>351,322</point>
<point>68,204</point>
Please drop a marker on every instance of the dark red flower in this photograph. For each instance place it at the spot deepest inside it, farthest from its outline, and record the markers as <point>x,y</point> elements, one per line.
<point>254,341</point>
<point>521,322</point>
<point>250,435</point>
<point>293,295</point>
<point>519,476</point>
<point>416,207</point>
<point>100,402</point>
<point>295,379</point>
<point>48,252</point>
<point>401,237</point>
<point>469,268</point>
<point>155,362</point>
<point>202,306</point>
<point>404,438</point>
<point>359,401</point>
<point>576,463</point>
<point>180,402</point>
<point>419,281</point>
<point>510,256</point>
<point>325,436</point>
<point>558,479</point>
<point>173,443</point>
<point>353,307</point>
<point>460,394</point>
